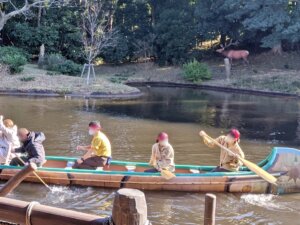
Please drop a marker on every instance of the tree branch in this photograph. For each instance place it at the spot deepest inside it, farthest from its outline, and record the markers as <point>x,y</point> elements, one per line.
<point>28,5</point>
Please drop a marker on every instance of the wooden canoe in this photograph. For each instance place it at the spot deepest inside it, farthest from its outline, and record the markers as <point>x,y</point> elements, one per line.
<point>283,163</point>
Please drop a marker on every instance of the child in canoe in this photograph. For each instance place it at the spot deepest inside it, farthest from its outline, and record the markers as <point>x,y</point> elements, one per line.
<point>228,162</point>
<point>162,156</point>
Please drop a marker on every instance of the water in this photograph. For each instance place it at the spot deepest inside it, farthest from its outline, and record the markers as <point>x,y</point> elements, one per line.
<point>132,126</point>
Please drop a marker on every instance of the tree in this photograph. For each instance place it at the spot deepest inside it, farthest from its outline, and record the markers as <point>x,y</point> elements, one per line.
<point>133,19</point>
<point>96,31</point>
<point>10,9</point>
<point>175,32</point>
<point>266,19</point>
<point>212,21</point>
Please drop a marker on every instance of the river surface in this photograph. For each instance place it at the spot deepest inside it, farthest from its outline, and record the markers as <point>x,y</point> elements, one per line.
<point>132,126</point>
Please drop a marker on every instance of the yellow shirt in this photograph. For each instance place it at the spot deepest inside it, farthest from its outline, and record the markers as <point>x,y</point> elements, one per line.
<point>101,145</point>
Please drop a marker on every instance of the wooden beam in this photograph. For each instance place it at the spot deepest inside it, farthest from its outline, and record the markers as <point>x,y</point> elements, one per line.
<point>15,211</point>
<point>17,179</point>
<point>129,207</point>
<point>210,209</point>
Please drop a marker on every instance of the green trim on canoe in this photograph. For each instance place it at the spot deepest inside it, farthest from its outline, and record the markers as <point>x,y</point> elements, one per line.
<point>266,164</point>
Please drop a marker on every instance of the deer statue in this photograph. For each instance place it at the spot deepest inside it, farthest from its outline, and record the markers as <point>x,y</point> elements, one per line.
<point>233,54</point>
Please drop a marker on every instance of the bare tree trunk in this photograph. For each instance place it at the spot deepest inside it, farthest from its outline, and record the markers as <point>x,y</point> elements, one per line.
<point>39,16</point>
<point>223,39</point>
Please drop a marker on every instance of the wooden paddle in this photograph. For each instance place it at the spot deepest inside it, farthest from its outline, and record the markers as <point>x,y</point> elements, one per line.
<point>42,181</point>
<point>253,167</point>
<point>165,173</point>
<point>168,175</point>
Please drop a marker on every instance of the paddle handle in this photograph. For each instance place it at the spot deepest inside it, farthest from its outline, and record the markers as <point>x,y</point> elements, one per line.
<point>42,181</point>
<point>221,146</point>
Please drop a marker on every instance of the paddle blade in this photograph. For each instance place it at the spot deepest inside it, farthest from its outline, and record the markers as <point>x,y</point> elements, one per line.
<point>259,171</point>
<point>167,174</point>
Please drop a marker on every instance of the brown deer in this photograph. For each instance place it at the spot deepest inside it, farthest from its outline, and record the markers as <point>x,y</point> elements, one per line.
<point>233,54</point>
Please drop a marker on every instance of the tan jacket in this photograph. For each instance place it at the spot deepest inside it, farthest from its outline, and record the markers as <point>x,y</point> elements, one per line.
<point>227,160</point>
<point>162,157</point>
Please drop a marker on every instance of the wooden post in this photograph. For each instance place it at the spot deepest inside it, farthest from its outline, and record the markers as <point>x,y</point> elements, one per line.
<point>17,179</point>
<point>227,68</point>
<point>210,209</point>
<point>129,208</point>
<point>41,60</point>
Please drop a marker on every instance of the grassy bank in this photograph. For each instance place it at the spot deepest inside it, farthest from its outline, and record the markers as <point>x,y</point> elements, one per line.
<point>266,72</point>
<point>33,79</point>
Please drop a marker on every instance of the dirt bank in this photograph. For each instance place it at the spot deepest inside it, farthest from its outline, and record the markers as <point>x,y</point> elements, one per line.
<point>34,81</point>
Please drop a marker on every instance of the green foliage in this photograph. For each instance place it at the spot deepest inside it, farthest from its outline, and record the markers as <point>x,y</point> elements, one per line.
<point>58,63</point>
<point>175,33</point>
<point>31,38</point>
<point>13,57</point>
<point>196,72</point>
<point>27,79</point>
<point>116,54</point>
<point>133,20</point>
<point>58,31</point>
<point>169,30</point>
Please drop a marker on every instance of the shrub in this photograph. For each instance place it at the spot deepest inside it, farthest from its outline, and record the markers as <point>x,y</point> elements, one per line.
<point>27,79</point>
<point>13,57</point>
<point>69,67</point>
<point>58,63</point>
<point>196,72</point>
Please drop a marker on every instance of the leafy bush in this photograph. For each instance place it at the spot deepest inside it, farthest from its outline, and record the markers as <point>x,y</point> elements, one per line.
<point>27,79</point>
<point>120,77</point>
<point>196,72</point>
<point>13,57</point>
<point>58,63</point>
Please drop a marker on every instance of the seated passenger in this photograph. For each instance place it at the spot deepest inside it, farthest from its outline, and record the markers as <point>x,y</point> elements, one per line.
<point>99,152</point>
<point>162,156</point>
<point>8,138</point>
<point>228,162</point>
<point>32,149</point>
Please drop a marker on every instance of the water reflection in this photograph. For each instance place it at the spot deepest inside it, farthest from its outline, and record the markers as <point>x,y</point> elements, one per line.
<point>272,119</point>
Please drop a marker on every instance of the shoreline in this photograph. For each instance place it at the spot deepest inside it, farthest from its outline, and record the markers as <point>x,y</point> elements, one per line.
<point>47,93</point>
<point>135,95</point>
<point>212,88</point>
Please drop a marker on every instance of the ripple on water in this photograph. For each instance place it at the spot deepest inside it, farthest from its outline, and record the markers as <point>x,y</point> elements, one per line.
<point>97,201</point>
<point>267,201</point>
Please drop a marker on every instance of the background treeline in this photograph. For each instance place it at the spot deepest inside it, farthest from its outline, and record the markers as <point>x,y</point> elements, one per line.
<point>170,31</point>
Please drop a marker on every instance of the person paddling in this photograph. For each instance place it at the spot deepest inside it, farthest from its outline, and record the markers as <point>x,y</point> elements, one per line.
<point>162,156</point>
<point>32,149</point>
<point>228,162</point>
<point>99,152</point>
